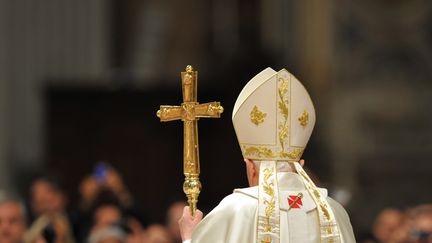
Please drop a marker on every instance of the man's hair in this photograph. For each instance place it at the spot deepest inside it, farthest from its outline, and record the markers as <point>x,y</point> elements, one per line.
<point>421,210</point>
<point>10,198</point>
<point>51,179</point>
<point>281,166</point>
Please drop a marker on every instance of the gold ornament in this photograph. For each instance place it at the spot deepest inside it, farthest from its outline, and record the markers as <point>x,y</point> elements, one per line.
<point>304,119</point>
<point>257,116</point>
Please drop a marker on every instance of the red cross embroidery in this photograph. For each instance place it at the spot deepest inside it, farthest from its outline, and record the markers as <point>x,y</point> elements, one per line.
<point>295,201</point>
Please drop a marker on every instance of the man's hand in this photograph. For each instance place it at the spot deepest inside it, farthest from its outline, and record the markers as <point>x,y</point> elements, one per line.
<point>188,222</point>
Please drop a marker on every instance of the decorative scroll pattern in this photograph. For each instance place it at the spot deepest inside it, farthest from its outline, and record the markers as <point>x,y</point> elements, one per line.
<point>270,203</point>
<point>283,109</point>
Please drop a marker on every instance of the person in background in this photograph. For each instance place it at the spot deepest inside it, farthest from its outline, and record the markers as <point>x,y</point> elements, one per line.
<point>109,234</point>
<point>104,194</point>
<point>48,203</point>
<point>386,224</point>
<point>157,233</point>
<point>421,224</point>
<point>50,228</point>
<point>12,220</point>
<point>47,196</point>
<point>108,215</point>
<point>104,178</point>
<point>106,211</point>
<point>137,233</point>
<point>173,215</point>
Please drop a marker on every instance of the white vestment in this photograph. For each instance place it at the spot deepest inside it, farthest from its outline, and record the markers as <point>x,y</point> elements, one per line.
<point>234,219</point>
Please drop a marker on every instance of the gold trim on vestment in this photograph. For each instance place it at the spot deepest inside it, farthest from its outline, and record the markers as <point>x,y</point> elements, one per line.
<point>329,230</point>
<point>268,204</point>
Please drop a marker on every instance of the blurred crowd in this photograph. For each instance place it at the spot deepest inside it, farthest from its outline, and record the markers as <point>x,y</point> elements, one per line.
<point>413,225</point>
<point>106,213</point>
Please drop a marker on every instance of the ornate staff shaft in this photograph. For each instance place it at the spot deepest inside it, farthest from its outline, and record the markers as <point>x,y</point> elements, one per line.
<point>191,166</point>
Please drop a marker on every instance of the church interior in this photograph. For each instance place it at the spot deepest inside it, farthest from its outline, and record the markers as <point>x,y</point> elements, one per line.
<point>81,81</point>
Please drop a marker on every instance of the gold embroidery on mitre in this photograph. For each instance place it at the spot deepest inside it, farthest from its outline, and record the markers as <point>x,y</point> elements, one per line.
<point>304,119</point>
<point>257,116</point>
<point>262,152</point>
<point>293,154</point>
<point>283,109</point>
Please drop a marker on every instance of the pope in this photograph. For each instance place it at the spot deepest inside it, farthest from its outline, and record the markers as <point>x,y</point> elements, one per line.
<point>273,118</point>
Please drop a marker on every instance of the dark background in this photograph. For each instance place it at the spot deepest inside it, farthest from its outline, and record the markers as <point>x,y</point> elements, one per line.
<point>81,81</point>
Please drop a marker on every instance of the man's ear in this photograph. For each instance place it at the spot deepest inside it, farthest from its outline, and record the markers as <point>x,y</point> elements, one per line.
<point>302,162</point>
<point>250,165</point>
<point>252,172</point>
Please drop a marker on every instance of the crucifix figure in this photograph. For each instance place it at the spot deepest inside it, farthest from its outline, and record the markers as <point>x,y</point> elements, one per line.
<point>189,112</point>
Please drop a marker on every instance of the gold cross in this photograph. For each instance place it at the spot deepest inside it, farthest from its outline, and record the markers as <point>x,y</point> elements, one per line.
<point>189,112</point>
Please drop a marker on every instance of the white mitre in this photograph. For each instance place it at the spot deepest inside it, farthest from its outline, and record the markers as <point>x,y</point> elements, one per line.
<point>273,119</point>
